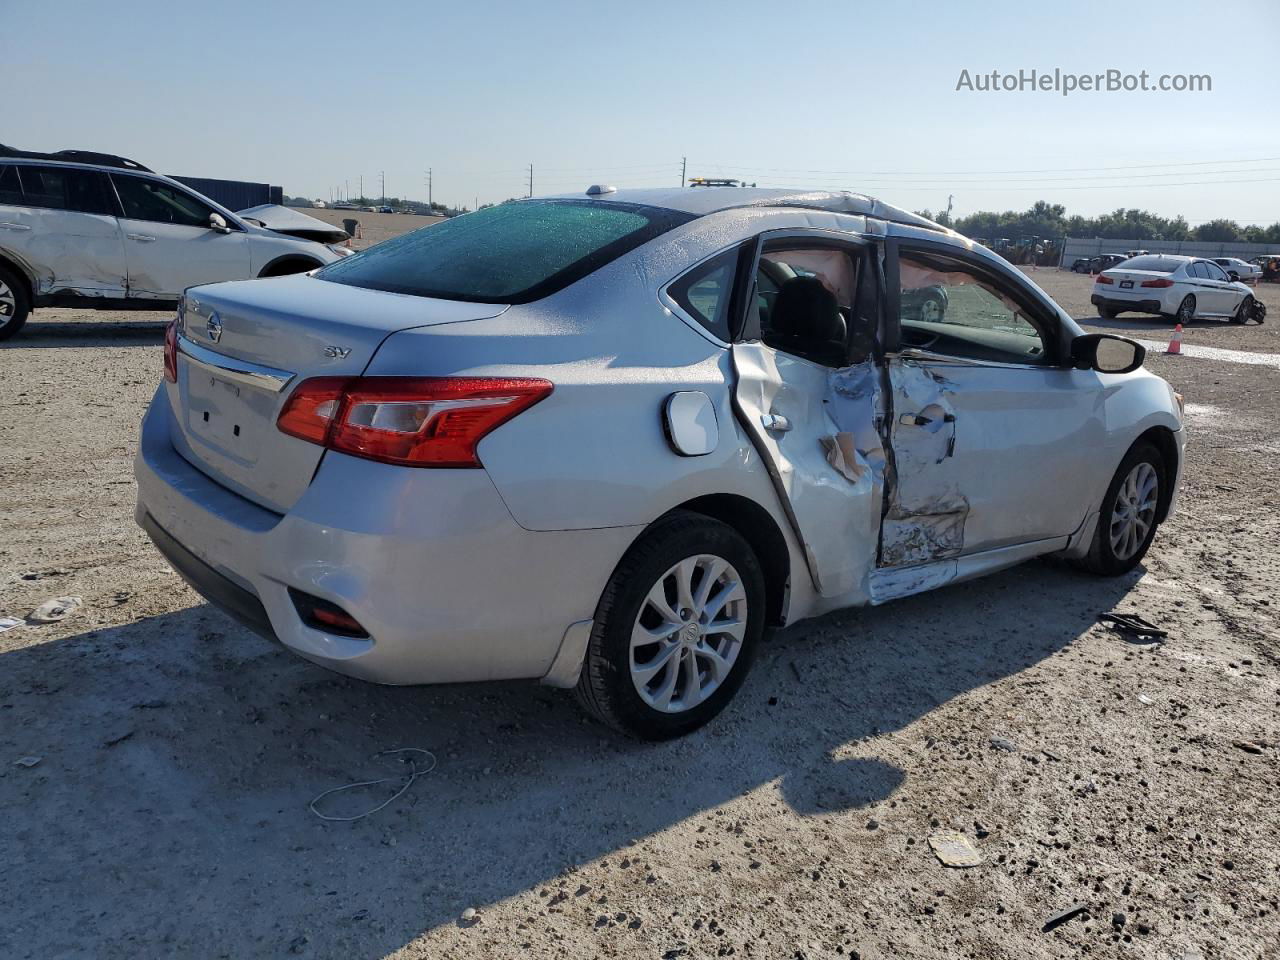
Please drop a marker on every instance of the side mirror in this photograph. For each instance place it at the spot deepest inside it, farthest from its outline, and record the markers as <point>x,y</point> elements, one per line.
<point>1106,353</point>
<point>218,222</point>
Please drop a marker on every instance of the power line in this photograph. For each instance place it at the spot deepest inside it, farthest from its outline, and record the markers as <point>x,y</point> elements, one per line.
<point>1041,188</point>
<point>947,173</point>
<point>951,181</point>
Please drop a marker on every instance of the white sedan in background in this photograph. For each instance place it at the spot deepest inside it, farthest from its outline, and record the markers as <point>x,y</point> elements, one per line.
<point>1182,288</point>
<point>1238,269</point>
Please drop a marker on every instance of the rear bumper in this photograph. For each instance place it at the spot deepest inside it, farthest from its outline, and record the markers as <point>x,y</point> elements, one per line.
<point>449,587</point>
<point>1134,304</point>
<point>234,600</point>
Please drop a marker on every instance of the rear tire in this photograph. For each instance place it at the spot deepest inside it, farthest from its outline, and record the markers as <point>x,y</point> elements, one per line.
<point>1127,518</point>
<point>1106,313</point>
<point>1186,310</point>
<point>15,304</point>
<point>625,674</point>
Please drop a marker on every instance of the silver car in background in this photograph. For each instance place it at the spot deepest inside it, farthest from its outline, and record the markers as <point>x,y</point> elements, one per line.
<point>602,441</point>
<point>101,232</point>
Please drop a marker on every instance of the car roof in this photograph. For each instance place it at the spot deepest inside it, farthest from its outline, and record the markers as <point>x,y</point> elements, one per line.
<point>700,201</point>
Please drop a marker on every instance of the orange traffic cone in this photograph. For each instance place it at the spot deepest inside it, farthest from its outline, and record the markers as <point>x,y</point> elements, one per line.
<point>1175,342</point>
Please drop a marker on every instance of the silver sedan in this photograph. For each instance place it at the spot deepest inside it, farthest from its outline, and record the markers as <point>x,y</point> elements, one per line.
<point>603,441</point>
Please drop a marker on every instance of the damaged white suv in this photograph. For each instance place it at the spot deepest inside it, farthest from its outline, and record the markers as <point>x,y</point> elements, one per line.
<point>98,231</point>
<point>603,441</point>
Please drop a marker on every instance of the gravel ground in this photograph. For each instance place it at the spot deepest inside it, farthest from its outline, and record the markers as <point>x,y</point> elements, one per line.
<point>168,812</point>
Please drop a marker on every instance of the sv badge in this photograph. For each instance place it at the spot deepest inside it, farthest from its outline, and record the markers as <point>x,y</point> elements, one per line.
<point>337,353</point>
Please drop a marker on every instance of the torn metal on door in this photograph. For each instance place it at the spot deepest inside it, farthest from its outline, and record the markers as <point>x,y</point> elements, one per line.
<point>926,511</point>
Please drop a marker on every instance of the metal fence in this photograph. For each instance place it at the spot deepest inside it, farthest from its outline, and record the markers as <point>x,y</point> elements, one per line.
<point>1072,248</point>
<point>234,194</point>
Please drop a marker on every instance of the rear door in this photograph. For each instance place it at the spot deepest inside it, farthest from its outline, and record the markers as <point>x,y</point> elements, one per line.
<point>65,230</point>
<point>810,308</point>
<point>990,432</point>
<point>169,242</point>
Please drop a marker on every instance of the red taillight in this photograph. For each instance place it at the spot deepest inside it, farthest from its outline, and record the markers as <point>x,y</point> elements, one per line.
<point>1103,278</point>
<point>171,352</point>
<point>310,410</point>
<point>1162,282</point>
<point>415,421</point>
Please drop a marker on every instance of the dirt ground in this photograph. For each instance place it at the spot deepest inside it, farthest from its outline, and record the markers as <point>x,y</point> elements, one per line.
<point>168,812</point>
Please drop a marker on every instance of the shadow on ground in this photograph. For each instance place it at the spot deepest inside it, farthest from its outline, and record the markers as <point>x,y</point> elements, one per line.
<point>168,814</point>
<point>90,333</point>
<point>1148,323</point>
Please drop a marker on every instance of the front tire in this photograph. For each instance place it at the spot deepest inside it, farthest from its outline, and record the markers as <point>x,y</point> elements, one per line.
<point>1127,518</point>
<point>676,629</point>
<point>1244,311</point>
<point>15,305</point>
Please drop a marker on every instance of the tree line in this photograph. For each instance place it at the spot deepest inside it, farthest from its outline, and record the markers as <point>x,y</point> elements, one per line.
<point>1050,221</point>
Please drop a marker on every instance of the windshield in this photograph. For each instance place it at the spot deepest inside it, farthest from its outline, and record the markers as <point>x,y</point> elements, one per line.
<point>511,253</point>
<point>1154,264</point>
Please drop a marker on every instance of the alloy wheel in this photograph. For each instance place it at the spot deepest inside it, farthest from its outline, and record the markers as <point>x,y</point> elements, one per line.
<point>1134,511</point>
<point>8,300</point>
<point>931,311</point>
<point>688,633</point>
<point>1187,309</point>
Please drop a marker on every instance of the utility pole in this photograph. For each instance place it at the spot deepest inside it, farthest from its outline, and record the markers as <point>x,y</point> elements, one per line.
<point>684,162</point>
<point>362,186</point>
<point>531,179</point>
<point>383,175</point>
<point>950,199</point>
<point>430,195</point>
<point>347,195</point>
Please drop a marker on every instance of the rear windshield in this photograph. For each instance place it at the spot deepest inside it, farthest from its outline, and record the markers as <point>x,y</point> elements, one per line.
<point>511,253</point>
<point>1154,264</point>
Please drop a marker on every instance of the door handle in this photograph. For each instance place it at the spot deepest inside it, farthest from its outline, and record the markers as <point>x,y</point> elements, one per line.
<point>775,422</point>
<point>920,420</point>
<point>14,226</point>
<point>140,237</point>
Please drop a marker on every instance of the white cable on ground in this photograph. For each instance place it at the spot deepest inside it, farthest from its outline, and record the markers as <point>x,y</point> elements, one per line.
<point>414,774</point>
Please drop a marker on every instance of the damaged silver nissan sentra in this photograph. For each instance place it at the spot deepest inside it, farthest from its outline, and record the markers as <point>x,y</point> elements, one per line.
<point>604,440</point>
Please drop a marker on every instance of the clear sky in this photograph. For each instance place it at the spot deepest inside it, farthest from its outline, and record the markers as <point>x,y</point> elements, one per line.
<point>863,96</point>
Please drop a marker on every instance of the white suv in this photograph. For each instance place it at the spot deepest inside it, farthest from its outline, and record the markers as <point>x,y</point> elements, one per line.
<point>99,231</point>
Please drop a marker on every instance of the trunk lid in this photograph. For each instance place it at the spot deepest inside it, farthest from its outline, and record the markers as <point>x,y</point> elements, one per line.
<point>245,345</point>
<point>1133,279</point>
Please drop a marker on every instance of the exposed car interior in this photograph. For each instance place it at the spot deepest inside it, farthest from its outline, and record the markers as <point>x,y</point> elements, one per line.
<point>808,303</point>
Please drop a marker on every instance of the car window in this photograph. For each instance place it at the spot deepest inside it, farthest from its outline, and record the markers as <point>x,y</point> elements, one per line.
<point>1200,270</point>
<point>10,185</point>
<point>158,202</point>
<point>705,291</point>
<point>510,253</point>
<point>1153,264</point>
<point>950,308</point>
<point>1217,273</point>
<point>64,188</point>
<point>803,301</point>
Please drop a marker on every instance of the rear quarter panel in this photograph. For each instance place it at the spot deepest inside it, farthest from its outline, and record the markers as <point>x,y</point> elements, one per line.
<point>594,453</point>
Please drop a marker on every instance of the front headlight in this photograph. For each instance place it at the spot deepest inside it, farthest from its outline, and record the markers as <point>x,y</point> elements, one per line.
<point>340,249</point>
